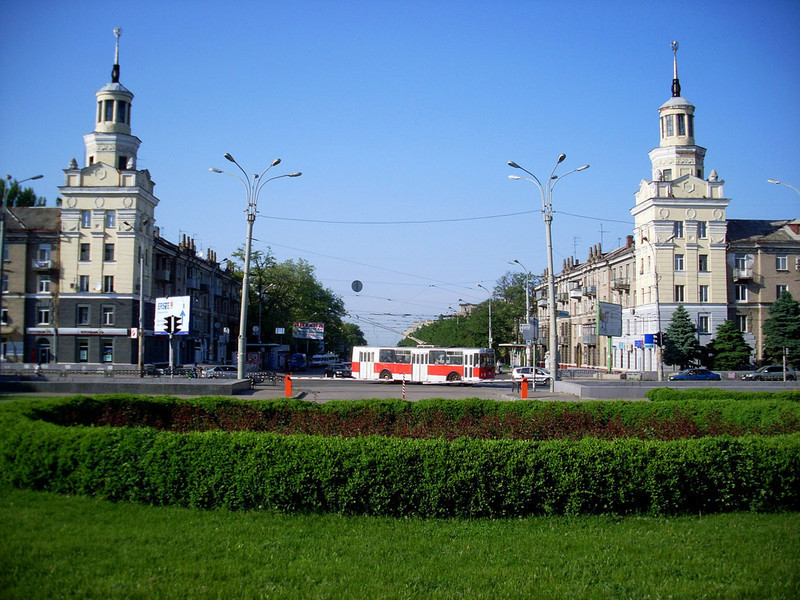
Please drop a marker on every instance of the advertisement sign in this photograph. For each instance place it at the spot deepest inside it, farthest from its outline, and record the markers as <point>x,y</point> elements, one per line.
<point>173,315</point>
<point>609,319</point>
<point>649,339</point>
<point>530,330</point>
<point>309,331</point>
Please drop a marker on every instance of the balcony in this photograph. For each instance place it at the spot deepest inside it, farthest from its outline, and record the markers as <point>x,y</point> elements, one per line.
<point>746,273</point>
<point>563,297</point>
<point>43,265</point>
<point>621,283</point>
<point>589,338</point>
<point>590,290</point>
<point>576,293</point>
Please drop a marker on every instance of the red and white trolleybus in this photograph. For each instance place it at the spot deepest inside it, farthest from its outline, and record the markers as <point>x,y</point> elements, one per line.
<point>424,364</point>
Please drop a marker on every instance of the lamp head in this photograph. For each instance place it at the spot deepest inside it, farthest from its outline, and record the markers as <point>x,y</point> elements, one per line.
<point>36,177</point>
<point>772,181</point>
<point>298,174</point>
<point>514,177</point>
<point>213,170</point>
<point>276,162</point>
<point>583,168</point>
<point>561,157</point>
<point>229,157</point>
<point>511,163</point>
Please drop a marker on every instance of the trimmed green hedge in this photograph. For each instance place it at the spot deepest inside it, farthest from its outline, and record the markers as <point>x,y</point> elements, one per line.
<point>385,476</point>
<point>665,394</point>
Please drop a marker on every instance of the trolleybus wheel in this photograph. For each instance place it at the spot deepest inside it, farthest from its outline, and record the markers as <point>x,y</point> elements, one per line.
<point>454,377</point>
<point>386,375</point>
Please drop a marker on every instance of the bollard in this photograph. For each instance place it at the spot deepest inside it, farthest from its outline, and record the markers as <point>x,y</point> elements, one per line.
<point>288,381</point>
<point>523,388</point>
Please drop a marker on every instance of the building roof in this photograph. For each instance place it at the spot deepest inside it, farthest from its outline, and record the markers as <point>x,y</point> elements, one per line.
<point>34,218</point>
<point>756,230</point>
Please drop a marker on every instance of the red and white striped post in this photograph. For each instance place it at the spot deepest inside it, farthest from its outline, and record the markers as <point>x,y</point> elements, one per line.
<point>404,387</point>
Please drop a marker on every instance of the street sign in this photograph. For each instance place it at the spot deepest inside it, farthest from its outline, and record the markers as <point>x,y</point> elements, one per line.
<point>173,315</point>
<point>609,319</point>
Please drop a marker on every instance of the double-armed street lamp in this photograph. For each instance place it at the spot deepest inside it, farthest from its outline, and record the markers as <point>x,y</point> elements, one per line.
<point>252,188</point>
<point>527,299</point>
<point>6,189</point>
<point>547,211</point>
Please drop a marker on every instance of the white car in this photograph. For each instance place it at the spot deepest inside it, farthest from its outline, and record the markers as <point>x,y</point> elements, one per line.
<point>221,372</point>
<point>540,376</point>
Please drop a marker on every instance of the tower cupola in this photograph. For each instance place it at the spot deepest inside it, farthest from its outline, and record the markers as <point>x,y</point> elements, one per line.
<point>111,142</point>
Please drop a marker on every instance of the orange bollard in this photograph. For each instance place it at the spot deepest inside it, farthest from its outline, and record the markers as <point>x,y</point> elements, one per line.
<point>288,383</point>
<point>523,388</point>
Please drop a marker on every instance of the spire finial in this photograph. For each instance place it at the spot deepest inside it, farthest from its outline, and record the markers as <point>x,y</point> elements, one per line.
<point>676,85</point>
<point>115,69</point>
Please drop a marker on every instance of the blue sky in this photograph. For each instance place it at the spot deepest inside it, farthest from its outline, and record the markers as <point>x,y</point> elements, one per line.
<point>407,112</point>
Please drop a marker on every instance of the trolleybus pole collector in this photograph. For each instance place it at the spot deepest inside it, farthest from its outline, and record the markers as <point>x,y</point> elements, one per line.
<point>424,364</point>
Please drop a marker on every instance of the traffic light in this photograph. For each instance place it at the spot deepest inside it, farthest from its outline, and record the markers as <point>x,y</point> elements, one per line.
<point>172,324</point>
<point>657,338</point>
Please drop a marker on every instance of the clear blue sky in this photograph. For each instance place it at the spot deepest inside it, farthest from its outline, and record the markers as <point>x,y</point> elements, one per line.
<point>407,111</point>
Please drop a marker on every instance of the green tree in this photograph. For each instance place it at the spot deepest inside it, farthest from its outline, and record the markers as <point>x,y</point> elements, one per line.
<point>728,350</point>
<point>782,330</point>
<point>284,293</point>
<point>16,196</point>
<point>680,345</point>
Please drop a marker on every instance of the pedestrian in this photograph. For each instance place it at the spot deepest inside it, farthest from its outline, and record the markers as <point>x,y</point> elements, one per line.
<point>39,369</point>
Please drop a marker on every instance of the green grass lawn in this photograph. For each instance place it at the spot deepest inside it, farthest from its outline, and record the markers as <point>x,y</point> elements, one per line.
<point>72,547</point>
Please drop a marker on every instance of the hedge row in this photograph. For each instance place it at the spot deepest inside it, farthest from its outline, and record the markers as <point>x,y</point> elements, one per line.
<point>382,476</point>
<point>448,419</point>
<point>667,394</point>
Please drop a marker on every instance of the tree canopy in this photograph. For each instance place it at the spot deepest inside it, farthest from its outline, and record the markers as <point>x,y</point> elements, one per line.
<point>680,344</point>
<point>782,330</point>
<point>728,349</point>
<point>16,196</point>
<point>288,292</point>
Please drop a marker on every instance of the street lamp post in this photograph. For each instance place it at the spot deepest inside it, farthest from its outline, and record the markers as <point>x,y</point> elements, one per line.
<point>547,211</point>
<point>252,188</point>
<point>6,188</point>
<point>490,314</point>
<point>776,181</point>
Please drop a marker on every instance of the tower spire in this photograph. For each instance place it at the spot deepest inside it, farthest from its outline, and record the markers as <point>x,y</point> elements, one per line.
<point>115,69</point>
<point>676,84</point>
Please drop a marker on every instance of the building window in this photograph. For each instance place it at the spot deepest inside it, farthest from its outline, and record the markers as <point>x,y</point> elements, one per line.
<point>84,255</point>
<point>666,175</point>
<point>702,324</point>
<point>111,218</point>
<point>43,316</point>
<point>83,283</point>
<point>681,124</point>
<point>109,116</point>
<point>779,289</point>
<point>82,315</point>
<point>740,291</point>
<point>782,263</point>
<point>702,229</point>
<point>741,322</point>
<point>108,351</point>
<point>44,284</point>
<point>4,316</point>
<point>43,255</point>
<point>679,293</point>
<point>679,262</point>
<point>83,350</point>
<point>703,293</point>
<point>690,119</point>
<point>108,284</point>
<point>5,282</point>
<point>677,229</point>
<point>121,111</point>
<point>108,315</point>
<point>702,263</point>
<point>86,218</point>
<point>739,262</point>
<point>108,252</point>
<point>670,125</point>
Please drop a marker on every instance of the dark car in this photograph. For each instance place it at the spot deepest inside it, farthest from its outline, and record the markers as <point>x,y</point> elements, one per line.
<point>695,375</point>
<point>342,369</point>
<point>771,373</point>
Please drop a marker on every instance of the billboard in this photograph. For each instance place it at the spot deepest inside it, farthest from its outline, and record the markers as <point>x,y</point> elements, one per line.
<point>609,319</point>
<point>173,315</point>
<point>309,331</point>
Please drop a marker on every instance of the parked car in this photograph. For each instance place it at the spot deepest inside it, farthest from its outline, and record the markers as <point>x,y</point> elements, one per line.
<point>221,372</point>
<point>540,376</point>
<point>771,373</point>
<point>695,375</point>
<point>298,362</point>
<point>342,369</point>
